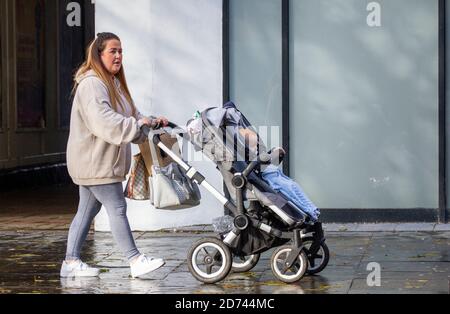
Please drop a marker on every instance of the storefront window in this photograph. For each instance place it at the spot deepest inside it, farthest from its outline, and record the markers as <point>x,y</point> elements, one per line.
<point>255,64</point>
<point>30,52</point>
<point>364,102</point>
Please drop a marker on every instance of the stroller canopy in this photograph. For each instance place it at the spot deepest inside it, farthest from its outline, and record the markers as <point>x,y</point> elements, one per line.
<point>227,135</point>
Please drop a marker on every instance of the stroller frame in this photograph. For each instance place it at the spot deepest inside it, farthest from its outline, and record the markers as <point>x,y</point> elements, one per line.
<point>295,233</point>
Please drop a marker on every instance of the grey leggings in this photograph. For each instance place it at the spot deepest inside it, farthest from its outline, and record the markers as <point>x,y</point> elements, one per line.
<point>91,200</point>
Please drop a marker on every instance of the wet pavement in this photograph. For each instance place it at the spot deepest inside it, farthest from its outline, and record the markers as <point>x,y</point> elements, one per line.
<point>38,208</point>
<point>411,262</point>
<point>414,258</point>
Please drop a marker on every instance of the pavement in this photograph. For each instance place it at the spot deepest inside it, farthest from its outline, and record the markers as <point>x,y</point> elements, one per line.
<point>410,262</point>
<point>412,258</point>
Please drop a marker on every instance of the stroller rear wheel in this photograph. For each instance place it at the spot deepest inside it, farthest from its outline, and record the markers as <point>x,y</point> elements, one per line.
<point>293,274</point>
<point>209,260</point>
<point>242,264</point>
<point>317,260</point>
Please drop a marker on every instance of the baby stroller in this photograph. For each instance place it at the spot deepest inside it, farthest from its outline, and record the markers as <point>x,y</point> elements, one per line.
<point>259,218</point>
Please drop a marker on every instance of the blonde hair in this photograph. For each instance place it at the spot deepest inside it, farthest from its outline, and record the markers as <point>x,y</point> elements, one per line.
<point>94,62</point>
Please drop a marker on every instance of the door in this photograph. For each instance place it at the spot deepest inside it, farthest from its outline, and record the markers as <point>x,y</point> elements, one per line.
<point>3,88</point>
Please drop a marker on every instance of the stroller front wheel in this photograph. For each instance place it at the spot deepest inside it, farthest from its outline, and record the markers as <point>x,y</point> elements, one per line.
<point>209,260</point>
<point>318,259</point>
<point>293,274</point>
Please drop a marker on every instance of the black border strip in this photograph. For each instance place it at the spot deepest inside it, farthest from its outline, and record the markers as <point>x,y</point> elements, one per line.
<point>443,217</point>
<point>226,70</point>
<point>226,49</point>
<point>286,84</point>
<point>88,22</point>
<point>379,215</point>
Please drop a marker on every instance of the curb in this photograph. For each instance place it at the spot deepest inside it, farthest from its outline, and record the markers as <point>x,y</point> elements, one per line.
<point>385,227</point>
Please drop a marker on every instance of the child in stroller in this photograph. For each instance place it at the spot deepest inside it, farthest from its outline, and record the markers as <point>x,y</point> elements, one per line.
<point>259,217</point>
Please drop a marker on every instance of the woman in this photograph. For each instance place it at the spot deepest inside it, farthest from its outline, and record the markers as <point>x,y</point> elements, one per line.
<point>104,122</point>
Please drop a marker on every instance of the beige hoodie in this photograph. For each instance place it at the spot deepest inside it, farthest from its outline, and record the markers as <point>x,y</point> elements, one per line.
<point>99,150</point>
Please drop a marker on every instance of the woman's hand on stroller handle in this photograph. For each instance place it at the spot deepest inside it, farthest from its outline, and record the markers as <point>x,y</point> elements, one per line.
<point>160,122</point>
<point>154,123</point>
<point>145,122</point>
<point>155,129</point>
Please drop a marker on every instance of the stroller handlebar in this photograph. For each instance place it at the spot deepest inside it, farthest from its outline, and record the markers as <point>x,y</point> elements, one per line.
<point>171,128</point>
<point>172,125</point>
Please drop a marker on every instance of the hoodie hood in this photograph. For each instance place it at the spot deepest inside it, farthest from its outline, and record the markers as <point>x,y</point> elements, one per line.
<point>89,73</point>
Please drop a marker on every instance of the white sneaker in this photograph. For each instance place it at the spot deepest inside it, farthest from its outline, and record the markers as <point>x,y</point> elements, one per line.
<point>143,265</point>
<point>78,269</point>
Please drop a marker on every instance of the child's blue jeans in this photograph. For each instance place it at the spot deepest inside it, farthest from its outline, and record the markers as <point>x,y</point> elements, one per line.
<point>292,190</point>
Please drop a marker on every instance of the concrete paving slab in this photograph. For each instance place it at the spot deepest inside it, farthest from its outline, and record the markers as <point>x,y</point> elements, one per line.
<point>410,246</point>
<point>442,227</point>
<point>400,286</point>
<point>408,267</point>
<point>334,273</point>
<point>413,227</point>
<point>340,227</point>
<point>181,279</point>
<point>384,227</point>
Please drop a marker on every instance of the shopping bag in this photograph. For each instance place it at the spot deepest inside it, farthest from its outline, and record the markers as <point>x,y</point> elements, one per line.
<point>138,187</point>
<point>170,187</point>
<point>163,159</point>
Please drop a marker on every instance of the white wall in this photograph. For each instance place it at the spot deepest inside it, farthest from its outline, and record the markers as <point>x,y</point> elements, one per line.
<point>173,62</point>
